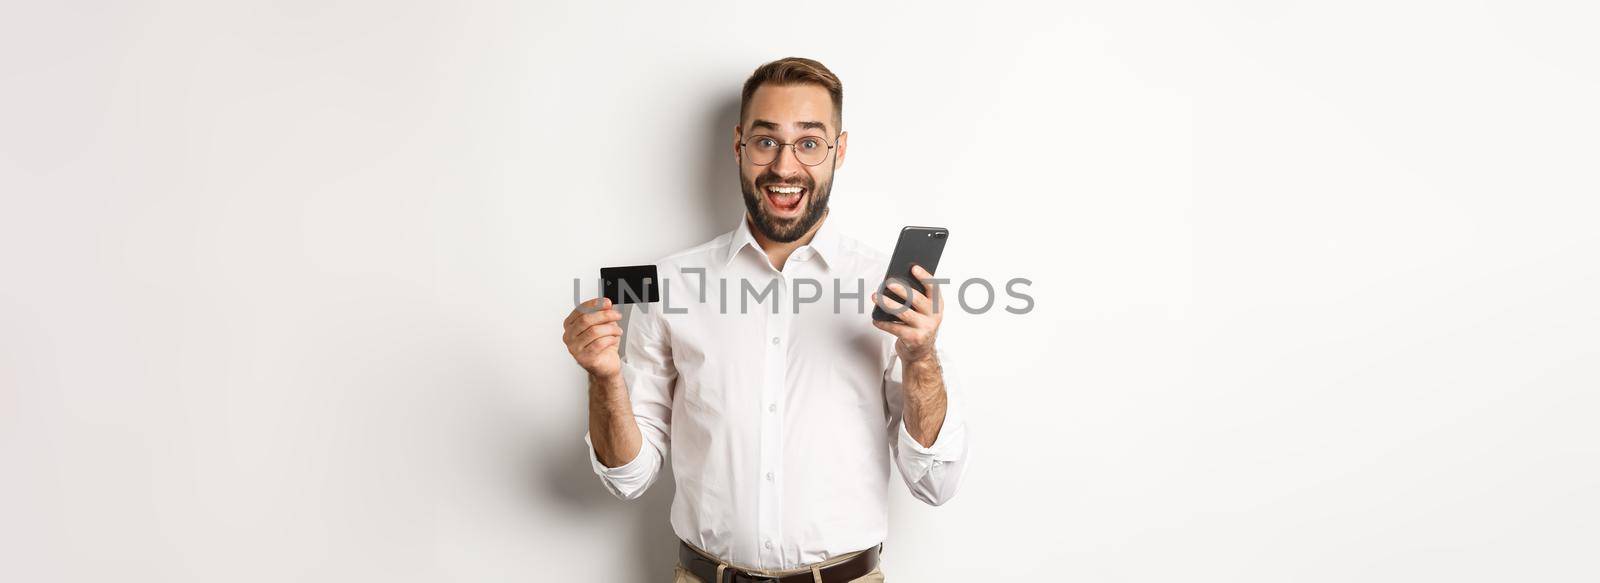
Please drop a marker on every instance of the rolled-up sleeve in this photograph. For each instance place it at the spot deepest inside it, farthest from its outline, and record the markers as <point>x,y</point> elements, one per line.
<point>648,371</point>
<point>932,473</point>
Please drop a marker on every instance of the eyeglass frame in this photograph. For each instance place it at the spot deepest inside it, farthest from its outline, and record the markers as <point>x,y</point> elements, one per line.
<point>824,139</point>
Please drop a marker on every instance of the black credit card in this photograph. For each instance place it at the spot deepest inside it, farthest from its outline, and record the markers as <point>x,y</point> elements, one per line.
<point>630,285</point>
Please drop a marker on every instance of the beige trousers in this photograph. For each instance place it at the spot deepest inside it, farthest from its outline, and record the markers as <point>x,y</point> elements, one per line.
<point>682,576</point>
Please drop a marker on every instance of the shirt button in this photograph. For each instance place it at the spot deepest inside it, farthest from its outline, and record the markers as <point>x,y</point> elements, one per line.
<point>769,476</point>
<point>769,544</point>
<point>773,408</point>
<point>774,340</point>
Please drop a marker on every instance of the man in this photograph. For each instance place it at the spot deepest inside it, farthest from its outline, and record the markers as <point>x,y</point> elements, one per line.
<point>782,406</point>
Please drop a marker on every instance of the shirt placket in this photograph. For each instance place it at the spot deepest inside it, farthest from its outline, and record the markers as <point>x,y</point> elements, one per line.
<point>775,376</point>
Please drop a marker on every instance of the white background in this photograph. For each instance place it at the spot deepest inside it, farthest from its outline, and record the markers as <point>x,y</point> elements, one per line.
<point>281,283</point>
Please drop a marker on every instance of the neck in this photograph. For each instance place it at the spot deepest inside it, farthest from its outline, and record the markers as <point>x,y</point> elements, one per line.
<point>779,252</point>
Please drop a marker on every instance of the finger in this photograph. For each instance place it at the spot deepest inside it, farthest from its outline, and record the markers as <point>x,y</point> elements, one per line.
<point>578,310</point>
<point>906,313</point>
<point>599,317</point>
<point>916,299</point>
<point>580,337</point>
<point>897,329</point>
<point>934,291</point>
<point>897,309</point>
<point>584,321</point>
<point>586,307</point>
<point>596,331</point>
<point>601,343</point>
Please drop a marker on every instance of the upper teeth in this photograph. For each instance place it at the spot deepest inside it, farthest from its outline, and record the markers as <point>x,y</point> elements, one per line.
<point>785,189</point>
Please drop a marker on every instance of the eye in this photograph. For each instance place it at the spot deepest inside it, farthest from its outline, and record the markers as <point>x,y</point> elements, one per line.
<point>810,143</point>
<point>766,143</point>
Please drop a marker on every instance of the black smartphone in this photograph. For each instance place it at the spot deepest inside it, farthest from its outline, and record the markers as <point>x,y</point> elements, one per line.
<point>630,285</point>
<point>917,246</point>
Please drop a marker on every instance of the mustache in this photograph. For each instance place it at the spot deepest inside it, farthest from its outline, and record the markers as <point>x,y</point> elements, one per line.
<point>767,179</point>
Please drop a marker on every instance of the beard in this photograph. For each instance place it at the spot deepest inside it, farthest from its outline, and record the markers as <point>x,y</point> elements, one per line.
<point>784,230</point>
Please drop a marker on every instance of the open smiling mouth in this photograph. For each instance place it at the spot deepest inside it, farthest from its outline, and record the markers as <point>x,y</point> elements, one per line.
<point>785,199</point>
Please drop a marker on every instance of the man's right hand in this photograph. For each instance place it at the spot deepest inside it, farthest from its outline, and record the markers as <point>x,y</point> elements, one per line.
<point>591,333</point>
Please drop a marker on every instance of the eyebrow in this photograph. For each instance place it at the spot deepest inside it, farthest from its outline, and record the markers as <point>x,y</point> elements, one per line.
<point>804,125</point>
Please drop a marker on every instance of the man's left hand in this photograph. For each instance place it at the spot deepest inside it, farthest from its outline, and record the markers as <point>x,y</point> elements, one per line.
<point>919,325</point>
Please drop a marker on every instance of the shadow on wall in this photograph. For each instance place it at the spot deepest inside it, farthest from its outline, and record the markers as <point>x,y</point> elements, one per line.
<point>719,176</point>
<point>650,547</point>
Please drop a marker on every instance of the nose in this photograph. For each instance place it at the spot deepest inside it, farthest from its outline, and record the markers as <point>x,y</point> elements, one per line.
<point>788,162</point>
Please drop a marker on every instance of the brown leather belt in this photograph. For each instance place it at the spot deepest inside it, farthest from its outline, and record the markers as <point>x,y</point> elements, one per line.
<point>705,569</point>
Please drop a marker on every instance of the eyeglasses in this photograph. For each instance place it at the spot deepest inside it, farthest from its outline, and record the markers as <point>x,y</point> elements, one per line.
<point>764,150</point>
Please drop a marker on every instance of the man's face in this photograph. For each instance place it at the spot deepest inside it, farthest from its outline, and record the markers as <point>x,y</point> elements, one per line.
<point>786,197</point>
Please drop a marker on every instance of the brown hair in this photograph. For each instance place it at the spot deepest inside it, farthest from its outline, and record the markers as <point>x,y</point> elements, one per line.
<point>795,71</point>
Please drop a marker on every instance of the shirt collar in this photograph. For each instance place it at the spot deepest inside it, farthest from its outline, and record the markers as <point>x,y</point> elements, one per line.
<point>824,244</point>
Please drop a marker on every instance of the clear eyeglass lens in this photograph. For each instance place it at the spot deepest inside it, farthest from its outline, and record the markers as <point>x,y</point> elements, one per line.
<point>764,150</point>
<point>808,150</point>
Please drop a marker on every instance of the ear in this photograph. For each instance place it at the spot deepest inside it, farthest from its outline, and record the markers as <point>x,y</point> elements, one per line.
<point>838,154</point>
<point>738,153</point>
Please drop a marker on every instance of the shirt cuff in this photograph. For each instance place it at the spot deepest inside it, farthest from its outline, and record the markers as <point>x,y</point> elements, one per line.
<point>628,474</point>
<point>946,448</point>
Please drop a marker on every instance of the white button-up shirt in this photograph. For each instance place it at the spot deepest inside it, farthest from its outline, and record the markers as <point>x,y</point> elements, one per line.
<point>779,402</point>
